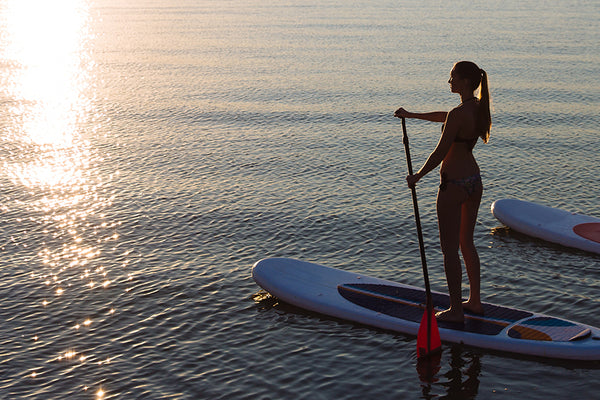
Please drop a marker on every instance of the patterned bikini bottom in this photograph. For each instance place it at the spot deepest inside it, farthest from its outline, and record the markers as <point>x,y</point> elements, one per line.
<point>470,184</point>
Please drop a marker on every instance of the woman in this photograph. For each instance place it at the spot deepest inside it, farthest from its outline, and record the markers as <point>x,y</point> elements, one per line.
<point>460,190</point>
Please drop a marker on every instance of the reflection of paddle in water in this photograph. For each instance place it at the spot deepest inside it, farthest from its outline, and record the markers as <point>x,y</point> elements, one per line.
<point>428,367</point>
<point>456,387</point>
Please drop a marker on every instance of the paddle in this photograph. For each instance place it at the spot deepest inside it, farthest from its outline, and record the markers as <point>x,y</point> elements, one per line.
<point>428,337</point>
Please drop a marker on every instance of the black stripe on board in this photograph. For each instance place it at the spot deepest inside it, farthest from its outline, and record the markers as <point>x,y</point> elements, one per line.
<point>408,304</point>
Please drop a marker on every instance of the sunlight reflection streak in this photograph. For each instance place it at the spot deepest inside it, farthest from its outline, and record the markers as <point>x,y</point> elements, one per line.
<point>47,89</point>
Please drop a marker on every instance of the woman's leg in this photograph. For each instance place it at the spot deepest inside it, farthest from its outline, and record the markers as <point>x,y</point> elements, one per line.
<point>449,220</point>
<point>469,212</point>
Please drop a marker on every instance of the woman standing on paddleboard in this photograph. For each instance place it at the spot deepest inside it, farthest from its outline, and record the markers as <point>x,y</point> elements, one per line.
<point>460,190</point>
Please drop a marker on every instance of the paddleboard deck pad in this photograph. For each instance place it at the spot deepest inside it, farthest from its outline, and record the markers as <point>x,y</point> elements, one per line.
<point>399,307</point>
<point>551,224</point>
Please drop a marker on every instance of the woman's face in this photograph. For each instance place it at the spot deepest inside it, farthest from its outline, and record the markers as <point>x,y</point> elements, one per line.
<point>457,84</point>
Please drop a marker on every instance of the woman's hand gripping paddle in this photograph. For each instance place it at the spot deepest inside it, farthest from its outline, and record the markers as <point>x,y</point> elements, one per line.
<point>428,337</point>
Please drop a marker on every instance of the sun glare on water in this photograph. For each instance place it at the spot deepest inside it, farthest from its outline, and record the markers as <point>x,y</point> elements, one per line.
<point>45,87</point>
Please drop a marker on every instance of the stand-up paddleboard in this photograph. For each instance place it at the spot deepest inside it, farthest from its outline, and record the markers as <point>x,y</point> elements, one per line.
<point>548,223</point>
<point>398,307</point>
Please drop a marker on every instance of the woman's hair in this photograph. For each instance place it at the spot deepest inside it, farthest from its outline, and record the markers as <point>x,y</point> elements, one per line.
<point>477,77</point>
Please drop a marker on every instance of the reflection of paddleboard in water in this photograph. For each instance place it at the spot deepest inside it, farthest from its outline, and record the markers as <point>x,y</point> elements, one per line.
<point>398,307</point>
<point>551,224</point>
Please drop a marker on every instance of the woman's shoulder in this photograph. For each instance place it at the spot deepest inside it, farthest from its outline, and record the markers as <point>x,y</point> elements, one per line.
<point>460,119</point>
<point>455,114</point>
<point>467,106</point>
<point>464,111</point>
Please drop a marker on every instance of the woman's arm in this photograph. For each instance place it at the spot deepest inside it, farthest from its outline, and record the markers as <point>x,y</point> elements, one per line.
<point>436,116</point>
<point>440,151</point>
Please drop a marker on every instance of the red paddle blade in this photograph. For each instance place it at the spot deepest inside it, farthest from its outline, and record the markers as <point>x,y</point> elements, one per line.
<point>428,337</point>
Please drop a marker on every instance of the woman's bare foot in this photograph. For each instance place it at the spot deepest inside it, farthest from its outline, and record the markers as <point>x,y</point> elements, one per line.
<point>473,307</point>
<point>450,315</point>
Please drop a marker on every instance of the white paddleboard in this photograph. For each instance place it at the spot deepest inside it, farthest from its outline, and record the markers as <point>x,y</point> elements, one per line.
<point>398,307</point>
<point>548,223</point>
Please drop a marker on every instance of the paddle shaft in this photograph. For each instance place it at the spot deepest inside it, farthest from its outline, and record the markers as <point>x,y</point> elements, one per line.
<point>429,303</point>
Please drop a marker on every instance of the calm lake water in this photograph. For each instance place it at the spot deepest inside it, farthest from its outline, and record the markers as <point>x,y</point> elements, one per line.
<point>154,150</point>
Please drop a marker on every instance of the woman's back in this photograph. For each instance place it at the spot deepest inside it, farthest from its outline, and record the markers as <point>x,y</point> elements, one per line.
<point>459,161</point>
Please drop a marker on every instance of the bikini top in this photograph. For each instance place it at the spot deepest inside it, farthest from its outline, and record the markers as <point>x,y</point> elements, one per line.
<point>464,140</point>
<point>470,141</point>
<point>457,139</point>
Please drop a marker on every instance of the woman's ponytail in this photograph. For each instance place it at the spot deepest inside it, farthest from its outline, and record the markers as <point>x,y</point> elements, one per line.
<point>484,118</point>
<point>478,79</point>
